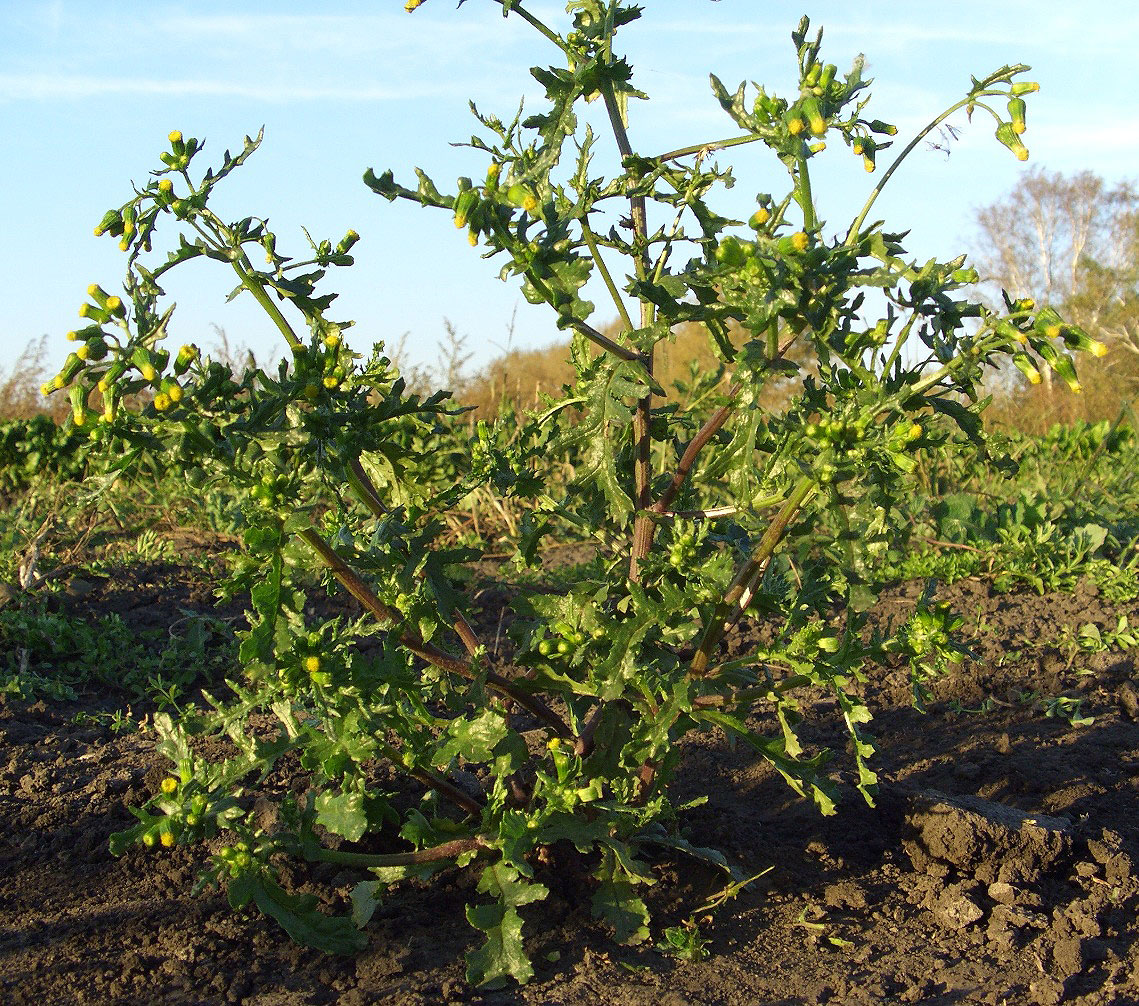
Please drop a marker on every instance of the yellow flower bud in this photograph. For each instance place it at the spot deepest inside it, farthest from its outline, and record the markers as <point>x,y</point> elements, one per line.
<point>175,392</point>
<point>161,401</point>
<point>147,371</point>
<point>312,664</point>
<point>166,185</point>
<point>167,839</point>
<point>169,785</point>
<point>175,136</point>
<point>72,336</point>
<point>800,241</point>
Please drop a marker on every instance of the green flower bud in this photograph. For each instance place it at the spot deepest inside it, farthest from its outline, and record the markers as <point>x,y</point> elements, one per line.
<point>1024,87</point>
<point>112,223</point>
<point>144,363</point>
<point>1016,110</point>
<point>98,314</point>
<point>1010,331</point>
<point>71,366</point>
<point>759,218</point>
<point>1076,338</point>
<point>1009,137</point>
<point>1060,363</point>
<point>186,356</point>
<point>1048,322</point>
<point>95,348</point>
<point>465,204</point>
<point>731,252</point>
<point>814,115</point>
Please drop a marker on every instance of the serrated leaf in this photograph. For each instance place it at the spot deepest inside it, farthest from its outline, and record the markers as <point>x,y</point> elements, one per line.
<point>502,955</point>
<point>342,814</point>
<point>474,738</point>
<point>364,902</point>
<point>616,903</point>
<point>298,916</point>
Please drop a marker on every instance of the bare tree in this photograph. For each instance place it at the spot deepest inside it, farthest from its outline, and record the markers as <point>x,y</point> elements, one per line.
<point>1106,300</point>
<point>1058,238</point>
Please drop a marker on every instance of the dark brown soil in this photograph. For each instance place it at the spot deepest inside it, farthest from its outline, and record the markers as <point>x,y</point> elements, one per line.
<point>999,865</point>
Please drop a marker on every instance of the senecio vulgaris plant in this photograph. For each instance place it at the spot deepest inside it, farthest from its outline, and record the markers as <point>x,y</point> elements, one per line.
<point>699,512</point>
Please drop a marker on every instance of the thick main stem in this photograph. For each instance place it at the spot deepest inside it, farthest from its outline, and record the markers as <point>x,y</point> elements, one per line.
<point>643,526</point>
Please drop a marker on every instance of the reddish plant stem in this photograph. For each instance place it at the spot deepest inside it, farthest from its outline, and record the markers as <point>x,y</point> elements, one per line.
<point>448,850</point>
<point>449,790</point>
<point>422,649</point>
<point>710,428</point>
<point>371,499</point>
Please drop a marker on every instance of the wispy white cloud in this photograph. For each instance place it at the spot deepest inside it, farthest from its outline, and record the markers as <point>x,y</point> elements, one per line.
<point>54,87</point>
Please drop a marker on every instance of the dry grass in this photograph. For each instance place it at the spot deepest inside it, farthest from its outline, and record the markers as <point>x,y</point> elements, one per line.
<point>1110,385</point>
<point>20,395</point>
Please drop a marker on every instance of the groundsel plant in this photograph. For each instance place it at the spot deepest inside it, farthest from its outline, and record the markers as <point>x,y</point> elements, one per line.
<point>488,766</point>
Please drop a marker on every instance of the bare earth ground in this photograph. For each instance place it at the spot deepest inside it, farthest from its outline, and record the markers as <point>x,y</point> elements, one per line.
<point>999,865</point>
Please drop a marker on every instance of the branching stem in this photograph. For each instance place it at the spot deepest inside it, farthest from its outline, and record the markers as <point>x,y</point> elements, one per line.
<point>424,650</point>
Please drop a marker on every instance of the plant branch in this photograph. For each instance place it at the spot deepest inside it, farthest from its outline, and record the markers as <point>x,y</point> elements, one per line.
<point>365,489</point>
<point>707,148</point>
<point>803,195</point>
<point>424,650</point>
<point>856,226</point>
<point>618,300</point>
<point>436,782</point>
<point>448,850</point>
<point>711,427</point>
<point>714,630</point>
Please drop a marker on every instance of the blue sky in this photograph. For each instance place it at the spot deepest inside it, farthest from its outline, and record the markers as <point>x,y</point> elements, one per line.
<point>89,90</point>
